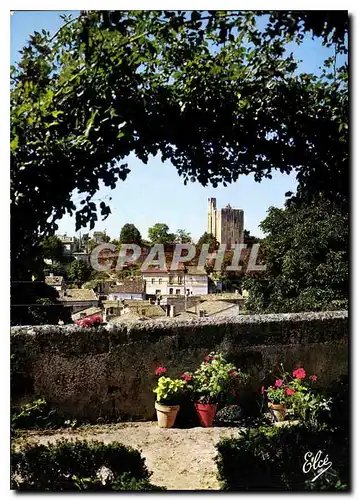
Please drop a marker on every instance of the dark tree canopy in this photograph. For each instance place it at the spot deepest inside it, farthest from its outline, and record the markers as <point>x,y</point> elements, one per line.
<point>52,248</point>
<point>130,234</point>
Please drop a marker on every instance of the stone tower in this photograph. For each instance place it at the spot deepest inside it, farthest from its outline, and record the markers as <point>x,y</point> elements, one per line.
<point>226,224</point>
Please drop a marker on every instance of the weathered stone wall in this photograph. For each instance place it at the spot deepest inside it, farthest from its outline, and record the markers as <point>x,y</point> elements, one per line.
<point>86,373</point>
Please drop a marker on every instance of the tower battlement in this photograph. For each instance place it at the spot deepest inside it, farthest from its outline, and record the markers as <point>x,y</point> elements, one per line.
<point>226,224</point>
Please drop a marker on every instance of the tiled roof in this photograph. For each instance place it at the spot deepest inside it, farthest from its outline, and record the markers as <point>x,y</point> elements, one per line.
<point>149,311</point>
<point>221,296</point>
<point>196,270</point>
<point>54,280</point>
<point>155,270</point>
<point>76,294</point>
<point>136,285</point>
<point>86,312</point>
<point>211,308</point>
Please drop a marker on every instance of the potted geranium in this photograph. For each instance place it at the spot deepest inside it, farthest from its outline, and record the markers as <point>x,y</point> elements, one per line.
<point>212,382</point>
<point>289,392</point>
<point>168,391</point>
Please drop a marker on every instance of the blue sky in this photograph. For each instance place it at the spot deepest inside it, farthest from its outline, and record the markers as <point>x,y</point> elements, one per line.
<point>155,192</point>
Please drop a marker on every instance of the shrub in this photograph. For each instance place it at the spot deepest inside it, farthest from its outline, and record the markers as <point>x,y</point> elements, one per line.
<point>38,415</point>
<point>78,465</point>
<point>271,459</point>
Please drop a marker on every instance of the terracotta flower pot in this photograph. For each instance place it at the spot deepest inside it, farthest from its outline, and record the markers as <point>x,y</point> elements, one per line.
<point>279,411</point>
<point>206,413</point>
<point>166,415</point>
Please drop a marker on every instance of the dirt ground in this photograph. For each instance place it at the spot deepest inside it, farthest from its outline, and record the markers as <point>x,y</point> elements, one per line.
<point>180,459</point>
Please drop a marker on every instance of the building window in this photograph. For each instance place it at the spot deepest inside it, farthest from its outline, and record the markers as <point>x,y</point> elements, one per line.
<point>153,280</point>
<point>157,292</point>
<point>170,291</point>
<point>160,281</point>
<point>177,291</point>
<point>179,280</point>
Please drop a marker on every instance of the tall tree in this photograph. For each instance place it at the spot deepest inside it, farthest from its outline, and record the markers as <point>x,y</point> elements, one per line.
<point>52,248</point>
<point>249,240</point>
<point>159,233</point>
<point>208,239</point>
<point>130,234</point>
<point>79,272</point>
<point>183,236</point>
<point>306,256</point>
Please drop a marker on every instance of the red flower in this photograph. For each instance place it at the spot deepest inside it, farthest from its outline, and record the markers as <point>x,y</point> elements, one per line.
<point>262,389</point>
<point>290,392</point>
<point>186,377</point>
<point>299,373</point>
<point>160,370</point>
<point>206,359</point>
<point>278,382</point>
<point>313,378</point>
<point>233,373</point>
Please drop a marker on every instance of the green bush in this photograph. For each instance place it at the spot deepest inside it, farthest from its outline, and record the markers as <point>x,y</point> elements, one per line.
<point>76,465</point>
<point>271,459</point>
<point>38,415</point>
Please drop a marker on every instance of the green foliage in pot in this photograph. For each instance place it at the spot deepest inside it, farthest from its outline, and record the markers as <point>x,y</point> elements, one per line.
<point>298,393</point>
<point>169,390</point>
<point>215,379</point>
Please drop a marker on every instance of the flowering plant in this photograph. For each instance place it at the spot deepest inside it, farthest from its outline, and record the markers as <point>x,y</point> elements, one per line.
<point>168,390</point>
<point>215,379</point>
<point>91,321</point>
<point>295,391</point>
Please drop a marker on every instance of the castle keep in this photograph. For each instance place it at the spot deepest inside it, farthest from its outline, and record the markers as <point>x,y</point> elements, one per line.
<point>226,224</point>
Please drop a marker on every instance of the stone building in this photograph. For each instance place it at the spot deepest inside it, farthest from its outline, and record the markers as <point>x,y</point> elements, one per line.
<point>226,224</point>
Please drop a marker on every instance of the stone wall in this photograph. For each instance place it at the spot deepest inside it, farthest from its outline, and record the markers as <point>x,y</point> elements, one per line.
<point>87,373</point>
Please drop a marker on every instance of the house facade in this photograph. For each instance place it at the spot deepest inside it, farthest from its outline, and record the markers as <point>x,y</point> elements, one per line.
<point>70,243</point>
<point>189,281</point>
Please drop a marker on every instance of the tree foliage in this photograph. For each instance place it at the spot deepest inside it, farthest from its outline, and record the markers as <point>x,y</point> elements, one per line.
<point>130,234</point>
<point>52,248</point>
<point>159,233</point>
<point>306,254</point>
<point>182,236</point>
<point>78,271</point>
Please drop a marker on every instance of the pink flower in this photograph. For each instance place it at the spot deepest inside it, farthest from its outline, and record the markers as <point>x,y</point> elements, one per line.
<point>262,389</point>
<point>160,370</point>
<point>290,392</point>
<point>233,373</point>
<point>186,377</point>
<point>299,373</point>
<point>278,382</point>
<point>313,378</point>
<point>206,359</point>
